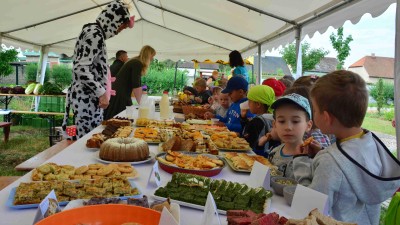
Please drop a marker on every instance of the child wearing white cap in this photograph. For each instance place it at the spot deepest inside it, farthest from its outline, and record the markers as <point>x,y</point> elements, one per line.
<point>292,114</point>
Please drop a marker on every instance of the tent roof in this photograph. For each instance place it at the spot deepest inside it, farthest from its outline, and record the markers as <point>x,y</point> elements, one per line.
<point>207,29</point>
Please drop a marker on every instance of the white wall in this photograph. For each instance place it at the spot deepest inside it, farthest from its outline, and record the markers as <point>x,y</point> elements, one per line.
<point>362,72</point>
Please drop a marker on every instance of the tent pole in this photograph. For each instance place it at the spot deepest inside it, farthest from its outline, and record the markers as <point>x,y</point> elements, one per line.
<point>397,78</point>
<point>44,52</point>
<point>259,69</point>
<point>1,41</point>
<point>176,71</point>
<point>299,66</point>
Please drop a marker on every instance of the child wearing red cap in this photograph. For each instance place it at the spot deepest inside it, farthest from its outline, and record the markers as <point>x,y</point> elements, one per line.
<point>276,85</point>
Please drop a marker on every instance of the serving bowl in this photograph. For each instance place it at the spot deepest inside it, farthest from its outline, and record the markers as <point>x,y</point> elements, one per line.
<point>278,183</point>
<point>104,214</point>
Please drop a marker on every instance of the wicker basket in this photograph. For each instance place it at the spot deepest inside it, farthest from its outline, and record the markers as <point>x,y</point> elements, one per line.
<point>198,111</point>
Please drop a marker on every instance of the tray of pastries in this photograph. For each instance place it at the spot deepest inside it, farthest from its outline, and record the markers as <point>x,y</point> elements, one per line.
<point>29,195</point>
<point>52,171</point>
<point>229,141</point>
<point>150,135</point>
<point>242,162</point>
<point>189,162</point>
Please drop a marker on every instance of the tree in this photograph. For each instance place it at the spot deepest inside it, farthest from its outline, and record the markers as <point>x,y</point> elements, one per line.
<point>310,57</point>
<point>62,75</point>
<point>380,100</point>
<point>341,46</point>
<point>7,56</point>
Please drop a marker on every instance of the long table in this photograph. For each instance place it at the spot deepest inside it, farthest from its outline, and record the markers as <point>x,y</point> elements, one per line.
<point>77,155</point>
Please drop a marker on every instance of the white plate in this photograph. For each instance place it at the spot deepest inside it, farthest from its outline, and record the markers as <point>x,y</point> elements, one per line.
<point>92,149</point>
<point>151,157</point>
<point>198,121</point>
<point>222,212</point>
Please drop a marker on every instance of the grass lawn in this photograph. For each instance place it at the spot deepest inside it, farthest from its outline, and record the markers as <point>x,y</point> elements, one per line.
<point>24,142</point>
<point>373,123</point>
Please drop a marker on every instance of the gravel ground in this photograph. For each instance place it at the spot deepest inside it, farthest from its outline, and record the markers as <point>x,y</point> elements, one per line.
<point>388,140</point>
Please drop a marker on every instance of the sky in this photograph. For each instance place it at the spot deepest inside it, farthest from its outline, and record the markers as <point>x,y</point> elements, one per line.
<point>370,35</point>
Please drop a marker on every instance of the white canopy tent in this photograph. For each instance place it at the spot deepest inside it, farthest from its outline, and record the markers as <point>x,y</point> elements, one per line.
<point>190,29</point>
<point>207,29</point>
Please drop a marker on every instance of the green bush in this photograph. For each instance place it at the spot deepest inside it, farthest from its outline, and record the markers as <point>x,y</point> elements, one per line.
<point>388,92</point>
<point>62,75</point>
<point>31,73</point>
<point>389,115</point>
<point>7,56</point>
<point>157,81</point>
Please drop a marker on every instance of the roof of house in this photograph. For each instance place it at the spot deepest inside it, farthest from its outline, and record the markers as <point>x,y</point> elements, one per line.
<point>190,65</point>
<point>271,65</point>
<point>37,54</point>
<point>326,65</point>
<point>376,66</point>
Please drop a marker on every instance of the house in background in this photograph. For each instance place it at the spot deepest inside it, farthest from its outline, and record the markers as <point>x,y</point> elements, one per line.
<point>326,65</point>
<point>33,56</point>
<point>372,68</point>
<point>272,66</point>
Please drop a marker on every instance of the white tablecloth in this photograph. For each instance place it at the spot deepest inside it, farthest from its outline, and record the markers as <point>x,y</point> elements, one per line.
<point>77,155</point>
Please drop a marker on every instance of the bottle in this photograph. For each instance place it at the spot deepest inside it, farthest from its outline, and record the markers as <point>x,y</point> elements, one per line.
<point>164,106</point>
<point>144,109</point>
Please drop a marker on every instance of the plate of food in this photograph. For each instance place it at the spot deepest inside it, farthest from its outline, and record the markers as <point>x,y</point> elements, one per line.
<point>191,190</point>
<point>29,195</point>
<point>148,159</point>
<point>199,121</point>
<point>190,162</point>
<point>242,162</point>
<point>52,171</point>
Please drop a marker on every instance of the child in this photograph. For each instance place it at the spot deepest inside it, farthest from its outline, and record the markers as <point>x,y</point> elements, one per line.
<point>260,98</point>
<point>224,103</point>
<point>358,173</point>
<point>214,99</point>
<point>292,114</point>
<point>202,93</point>
<point>315,132</point>
<point>236,88</point>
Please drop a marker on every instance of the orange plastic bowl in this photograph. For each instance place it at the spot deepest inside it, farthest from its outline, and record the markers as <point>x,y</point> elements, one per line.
<point>114,214</point>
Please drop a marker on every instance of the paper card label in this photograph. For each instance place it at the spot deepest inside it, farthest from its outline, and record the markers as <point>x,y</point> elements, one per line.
<point>260,176</point>
<point>302,205</point>
<point>210,211</point>
<point>44,205</point>
<point>155,175</point>
<point>167,218</point>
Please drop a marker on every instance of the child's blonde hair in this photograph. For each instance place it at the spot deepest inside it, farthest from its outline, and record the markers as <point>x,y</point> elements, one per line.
<point>343,94</point>
<point>216,90</point>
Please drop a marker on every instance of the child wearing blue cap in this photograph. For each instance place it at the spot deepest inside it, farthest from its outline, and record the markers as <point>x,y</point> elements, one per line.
<point>292,114</point>
<point>237,89</point>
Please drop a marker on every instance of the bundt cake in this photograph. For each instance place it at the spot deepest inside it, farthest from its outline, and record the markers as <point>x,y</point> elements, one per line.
<point>124,150</point>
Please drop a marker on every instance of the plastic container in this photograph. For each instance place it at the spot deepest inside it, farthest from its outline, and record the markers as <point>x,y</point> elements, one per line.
<point>144,110</point>
<point>104,214</point>
<point>164,106</point>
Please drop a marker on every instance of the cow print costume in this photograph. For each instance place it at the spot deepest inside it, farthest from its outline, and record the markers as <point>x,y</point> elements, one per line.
<point>90,68</point>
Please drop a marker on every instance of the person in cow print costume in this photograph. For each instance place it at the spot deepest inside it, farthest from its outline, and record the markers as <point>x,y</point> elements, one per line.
<point>87,94</point>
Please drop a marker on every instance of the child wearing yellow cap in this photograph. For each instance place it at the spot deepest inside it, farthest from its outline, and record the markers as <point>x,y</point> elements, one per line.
<point>260,98</point>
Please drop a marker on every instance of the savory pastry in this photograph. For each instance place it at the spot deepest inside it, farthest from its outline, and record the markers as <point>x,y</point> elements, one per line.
<point>307,141</point>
